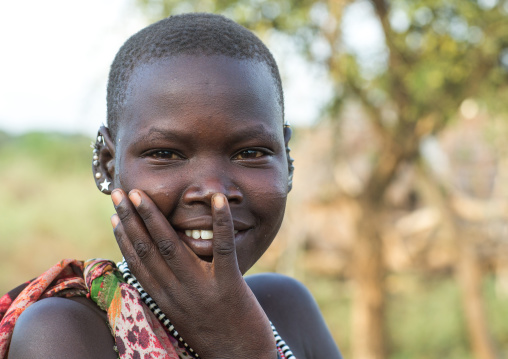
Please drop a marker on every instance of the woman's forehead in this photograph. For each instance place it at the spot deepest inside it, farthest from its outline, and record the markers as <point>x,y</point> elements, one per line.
<point>214,72</point>
<point>201,88</point>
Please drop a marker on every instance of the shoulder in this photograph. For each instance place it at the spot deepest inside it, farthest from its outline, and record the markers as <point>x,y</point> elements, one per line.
<point>61,328</point>
<point>277,291</point>
<point>283,297</point>
<point>268,282</point>
<point>292,309</point>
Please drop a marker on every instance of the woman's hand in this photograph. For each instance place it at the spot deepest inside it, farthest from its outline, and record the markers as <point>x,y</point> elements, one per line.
<point>209,303</point>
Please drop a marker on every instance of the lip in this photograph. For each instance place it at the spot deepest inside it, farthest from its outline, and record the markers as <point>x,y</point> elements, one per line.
<point>203,247</point>
<point>206,223</point>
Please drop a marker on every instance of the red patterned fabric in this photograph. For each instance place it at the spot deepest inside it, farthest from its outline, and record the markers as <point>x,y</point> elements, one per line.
<point>137,332</point>
<point>50,284</point>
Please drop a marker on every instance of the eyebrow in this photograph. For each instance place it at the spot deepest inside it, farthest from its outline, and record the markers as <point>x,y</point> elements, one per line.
<point>155,133</point>
<point>253,132</point>
<point>256,132</point>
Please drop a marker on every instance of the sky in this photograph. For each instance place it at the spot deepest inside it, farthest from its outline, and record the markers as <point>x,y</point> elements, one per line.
<point>55,59</point>
<point>56,56</point>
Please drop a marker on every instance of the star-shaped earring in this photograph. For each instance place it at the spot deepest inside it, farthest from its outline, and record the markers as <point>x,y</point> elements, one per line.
<point>105,185</point>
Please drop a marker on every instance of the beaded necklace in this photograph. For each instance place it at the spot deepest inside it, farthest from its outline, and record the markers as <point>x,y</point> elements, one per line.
<point>282,347</point>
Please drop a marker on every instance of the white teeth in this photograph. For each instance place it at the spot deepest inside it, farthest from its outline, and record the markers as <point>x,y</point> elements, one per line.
<point>203,234</point>
<point>206,234</point>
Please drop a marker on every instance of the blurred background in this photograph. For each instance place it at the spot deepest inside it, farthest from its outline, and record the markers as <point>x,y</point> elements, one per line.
<point>397,221</point>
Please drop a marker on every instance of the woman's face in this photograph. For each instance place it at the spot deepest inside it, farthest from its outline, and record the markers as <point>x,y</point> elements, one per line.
<point>194,126</point>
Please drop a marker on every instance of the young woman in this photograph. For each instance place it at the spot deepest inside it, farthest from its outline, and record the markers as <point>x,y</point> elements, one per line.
<point>196,160</point>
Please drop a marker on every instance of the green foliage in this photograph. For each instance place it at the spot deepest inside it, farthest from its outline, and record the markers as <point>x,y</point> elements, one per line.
<point>254,14</point>
<point>497,310</point>
<point>429,316</point>
<point>449,50</point>
<point>50,207</point>
<point>62,153</point>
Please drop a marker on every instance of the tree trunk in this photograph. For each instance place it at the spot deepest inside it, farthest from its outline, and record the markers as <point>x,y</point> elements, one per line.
<point>368,331</point>
<point>467,269</point>
<point>469,275</point>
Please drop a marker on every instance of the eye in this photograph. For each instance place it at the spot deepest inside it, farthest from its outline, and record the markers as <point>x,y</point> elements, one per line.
<point>249,154</point>
<point>164,155</point>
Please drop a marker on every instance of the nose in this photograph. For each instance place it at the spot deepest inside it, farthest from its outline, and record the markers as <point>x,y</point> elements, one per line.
<point>202,190</point>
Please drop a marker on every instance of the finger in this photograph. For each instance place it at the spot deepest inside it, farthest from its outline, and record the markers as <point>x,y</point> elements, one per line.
<point>128,252</point>
<point>169,246</point>
<point>134,238</point>
<point>224,249</point>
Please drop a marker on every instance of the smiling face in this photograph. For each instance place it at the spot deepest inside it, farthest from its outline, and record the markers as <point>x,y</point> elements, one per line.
<point>194,126</point>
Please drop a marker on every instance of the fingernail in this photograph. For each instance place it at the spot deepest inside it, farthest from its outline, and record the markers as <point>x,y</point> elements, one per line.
<point>135,198</point>
<point>218,201</point>
<point>116,196</point>
<point>114,220</point>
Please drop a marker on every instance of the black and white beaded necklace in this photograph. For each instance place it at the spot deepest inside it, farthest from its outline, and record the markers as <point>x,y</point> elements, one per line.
<point>130,279</point>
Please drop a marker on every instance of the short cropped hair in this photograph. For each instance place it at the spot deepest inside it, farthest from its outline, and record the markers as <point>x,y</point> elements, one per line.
<point>187,34</point>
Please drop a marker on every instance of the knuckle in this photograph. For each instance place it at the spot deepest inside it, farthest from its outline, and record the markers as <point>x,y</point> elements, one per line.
<point>146,215</point>
<point>223,233</point>
<point>123,213</point>
<point>224,249</point>
<point>142,249</point>
<point>119,235</point>
<point>167,248</point>
<point>133,262</point>
<point>223,221</point>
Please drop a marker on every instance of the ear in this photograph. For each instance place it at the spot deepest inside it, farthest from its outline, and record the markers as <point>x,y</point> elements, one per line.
<point>103,165</point>
<point>287,136</point>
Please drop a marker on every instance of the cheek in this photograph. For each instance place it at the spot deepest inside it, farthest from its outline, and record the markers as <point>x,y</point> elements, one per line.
<point>161,188</point>
<point>269,190</point>
<point>269,204</point>
<point>267,193</point>
<point>270,218</point>
<point>267,199</point>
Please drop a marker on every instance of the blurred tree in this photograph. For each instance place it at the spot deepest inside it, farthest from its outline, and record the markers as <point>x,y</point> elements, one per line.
<point>433,55</point>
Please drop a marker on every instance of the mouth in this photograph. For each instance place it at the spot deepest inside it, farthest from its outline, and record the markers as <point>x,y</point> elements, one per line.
<point>201,233</point>
<point>200,241</point>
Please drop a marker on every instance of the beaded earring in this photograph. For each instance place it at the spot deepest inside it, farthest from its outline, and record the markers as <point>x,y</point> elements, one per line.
<point>95,162</point>
<point>291,167</point>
